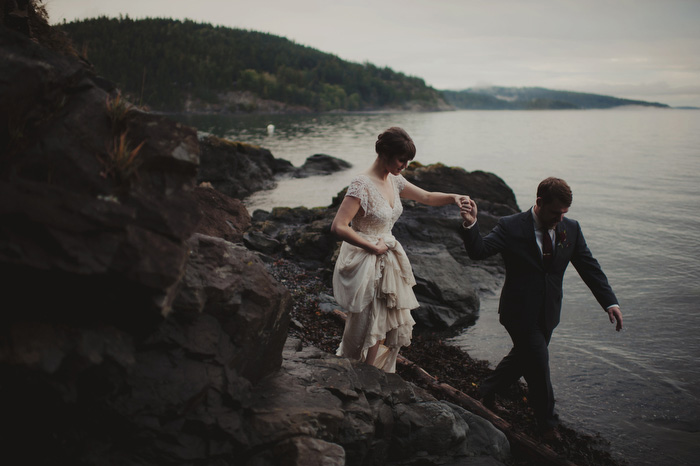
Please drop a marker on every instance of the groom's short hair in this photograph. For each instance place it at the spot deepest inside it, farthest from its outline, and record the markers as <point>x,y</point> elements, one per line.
<point>555,189</point>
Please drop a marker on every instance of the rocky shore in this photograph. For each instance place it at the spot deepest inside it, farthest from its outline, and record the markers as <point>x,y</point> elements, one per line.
<point>151,320</point>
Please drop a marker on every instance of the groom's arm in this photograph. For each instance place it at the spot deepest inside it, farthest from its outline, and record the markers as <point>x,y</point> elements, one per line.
<point>591,273</point>
<point>478,247</point>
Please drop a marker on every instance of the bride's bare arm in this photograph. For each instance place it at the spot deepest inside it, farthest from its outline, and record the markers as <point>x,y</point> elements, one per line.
<point>341,227</point>
<point>414,193</point>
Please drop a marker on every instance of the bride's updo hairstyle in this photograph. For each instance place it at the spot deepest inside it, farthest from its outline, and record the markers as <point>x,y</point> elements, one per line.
<point>395,142</point>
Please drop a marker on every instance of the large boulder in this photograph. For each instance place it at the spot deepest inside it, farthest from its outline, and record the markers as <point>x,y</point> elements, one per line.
<point>344,409</point>
<point>321,164</point>
<point>482,186</point>
<point>238,169</point>
<point>222,216</point>
<point>230,283</point>
<point>447,297</point>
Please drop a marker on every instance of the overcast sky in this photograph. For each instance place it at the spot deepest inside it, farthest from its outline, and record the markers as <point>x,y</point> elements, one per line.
<point>637,49</point>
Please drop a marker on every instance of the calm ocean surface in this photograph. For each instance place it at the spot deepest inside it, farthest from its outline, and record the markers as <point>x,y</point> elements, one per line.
<point>635,175</point>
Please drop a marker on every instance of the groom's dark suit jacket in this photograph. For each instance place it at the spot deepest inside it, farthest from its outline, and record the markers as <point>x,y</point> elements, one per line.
<point>529,288</point>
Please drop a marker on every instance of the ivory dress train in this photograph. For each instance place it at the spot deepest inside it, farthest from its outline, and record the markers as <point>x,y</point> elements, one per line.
<point>376,291</point>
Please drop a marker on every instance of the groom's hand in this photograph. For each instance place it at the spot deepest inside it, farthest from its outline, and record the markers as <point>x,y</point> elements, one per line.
<point>460,199</point>
<point>468,210</point>
<point>615,315</point>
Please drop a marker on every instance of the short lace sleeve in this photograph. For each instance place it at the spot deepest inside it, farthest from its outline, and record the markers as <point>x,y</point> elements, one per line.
<point>358,188</point>
<point>400,182</point>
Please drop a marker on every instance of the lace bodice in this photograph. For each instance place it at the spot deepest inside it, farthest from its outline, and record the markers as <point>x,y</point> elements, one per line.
<point>376,217</point>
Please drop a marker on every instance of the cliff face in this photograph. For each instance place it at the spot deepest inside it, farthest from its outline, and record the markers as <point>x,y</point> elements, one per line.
<point>126,327</point>
<point>139,329</point>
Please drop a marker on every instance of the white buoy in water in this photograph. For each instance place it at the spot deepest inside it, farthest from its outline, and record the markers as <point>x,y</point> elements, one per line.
<point>270,129</point>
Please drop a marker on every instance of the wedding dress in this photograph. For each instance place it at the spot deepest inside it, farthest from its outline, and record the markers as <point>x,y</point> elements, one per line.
<point>375,291</point>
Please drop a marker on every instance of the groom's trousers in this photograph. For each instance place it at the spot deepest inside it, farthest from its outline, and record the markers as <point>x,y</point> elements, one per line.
<point>529,358</point>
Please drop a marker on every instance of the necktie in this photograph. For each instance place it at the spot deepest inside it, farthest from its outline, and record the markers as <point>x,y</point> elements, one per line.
<point>547,249</point>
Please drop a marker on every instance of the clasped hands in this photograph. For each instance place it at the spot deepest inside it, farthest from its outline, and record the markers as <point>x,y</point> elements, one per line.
<point>468,210</point>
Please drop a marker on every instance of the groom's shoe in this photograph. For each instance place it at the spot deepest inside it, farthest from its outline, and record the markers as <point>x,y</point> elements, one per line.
<point>551,436</point>
<point>488,400</point>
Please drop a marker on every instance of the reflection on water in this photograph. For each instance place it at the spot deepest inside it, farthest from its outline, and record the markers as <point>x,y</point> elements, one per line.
<point>635,178</point>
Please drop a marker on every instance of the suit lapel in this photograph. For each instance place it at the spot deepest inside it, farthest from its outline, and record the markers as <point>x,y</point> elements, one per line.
<point>559,238</point>
<point>528,232</point>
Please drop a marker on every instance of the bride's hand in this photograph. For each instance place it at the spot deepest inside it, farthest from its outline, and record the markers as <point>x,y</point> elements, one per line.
<point>381,247</point>
<point>461,200</point>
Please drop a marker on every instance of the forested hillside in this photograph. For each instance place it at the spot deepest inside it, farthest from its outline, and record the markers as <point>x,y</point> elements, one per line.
<point>534,98</point>
<point>164,63</point>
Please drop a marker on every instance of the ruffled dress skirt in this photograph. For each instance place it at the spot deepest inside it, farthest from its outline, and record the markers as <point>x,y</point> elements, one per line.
<point>377,294</point>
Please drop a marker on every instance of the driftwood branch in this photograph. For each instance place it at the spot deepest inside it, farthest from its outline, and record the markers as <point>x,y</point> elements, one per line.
<point>525,445</point>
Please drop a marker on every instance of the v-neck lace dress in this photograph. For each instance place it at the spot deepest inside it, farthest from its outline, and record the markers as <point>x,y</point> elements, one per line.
<point>376,291</point>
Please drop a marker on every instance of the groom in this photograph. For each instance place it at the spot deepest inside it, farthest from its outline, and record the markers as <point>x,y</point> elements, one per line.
<point>537,246</point>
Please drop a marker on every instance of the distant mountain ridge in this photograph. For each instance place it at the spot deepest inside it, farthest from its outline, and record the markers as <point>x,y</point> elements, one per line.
<point>535,98</point>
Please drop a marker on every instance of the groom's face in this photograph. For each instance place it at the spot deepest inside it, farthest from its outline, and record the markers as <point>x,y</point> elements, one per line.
<point>552,213</point>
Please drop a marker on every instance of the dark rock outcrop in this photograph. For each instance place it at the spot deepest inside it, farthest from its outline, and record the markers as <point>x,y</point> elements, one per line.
<point>305,234</point>
<point>490,191</point>
<point>74,223</point>
<point>228,282</point>
<point>238,169</point>
<point>222,216</point>
<point>130,338</point>
<point>321,164</point>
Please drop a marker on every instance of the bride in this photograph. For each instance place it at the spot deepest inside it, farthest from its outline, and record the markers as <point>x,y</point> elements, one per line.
<point>373,280</point>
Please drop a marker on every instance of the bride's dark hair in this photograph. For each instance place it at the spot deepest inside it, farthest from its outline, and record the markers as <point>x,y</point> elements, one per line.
<point>395,142</point>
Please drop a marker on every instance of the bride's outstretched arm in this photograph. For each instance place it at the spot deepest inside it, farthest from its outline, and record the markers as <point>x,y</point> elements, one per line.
<point>432,198</point>
<point>341,227</point>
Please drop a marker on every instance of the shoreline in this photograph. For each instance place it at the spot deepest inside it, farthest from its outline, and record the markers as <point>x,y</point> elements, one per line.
<point>404,111</point>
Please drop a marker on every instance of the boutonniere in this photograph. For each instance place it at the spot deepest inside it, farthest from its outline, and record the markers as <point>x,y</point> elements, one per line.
<point>561,239</point>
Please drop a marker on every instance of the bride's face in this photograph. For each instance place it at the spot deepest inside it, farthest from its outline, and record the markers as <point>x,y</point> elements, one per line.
<point>397,164</point>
